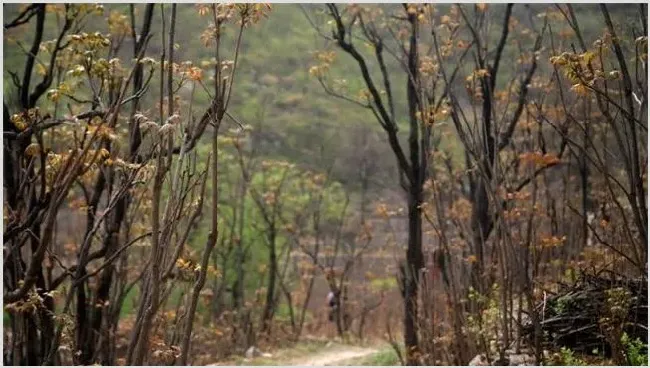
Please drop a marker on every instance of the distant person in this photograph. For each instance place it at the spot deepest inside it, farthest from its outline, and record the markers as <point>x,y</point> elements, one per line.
<point>333,302</point>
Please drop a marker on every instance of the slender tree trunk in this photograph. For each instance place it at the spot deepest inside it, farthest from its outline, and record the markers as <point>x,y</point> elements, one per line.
<point>31,346</point>
<point>303,309</point>
<point>415,263</point>
<point>238,290</point>
<point>269,307</point>
<point>584,181</point>
<point>481,227</point>
<point>212,241</point>
<point>417,148</point>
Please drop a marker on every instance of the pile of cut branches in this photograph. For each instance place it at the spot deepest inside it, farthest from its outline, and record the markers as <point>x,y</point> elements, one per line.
<point>578,317</point>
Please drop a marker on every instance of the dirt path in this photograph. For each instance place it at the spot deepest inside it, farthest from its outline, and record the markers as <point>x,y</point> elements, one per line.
<point>335,356</point>
<point>312,354</point>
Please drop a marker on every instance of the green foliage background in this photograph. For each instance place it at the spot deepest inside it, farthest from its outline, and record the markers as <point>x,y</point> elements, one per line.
<point>300,124</point>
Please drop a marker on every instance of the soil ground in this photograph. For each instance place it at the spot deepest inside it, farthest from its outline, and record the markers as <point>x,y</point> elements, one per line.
<point>322,354</point>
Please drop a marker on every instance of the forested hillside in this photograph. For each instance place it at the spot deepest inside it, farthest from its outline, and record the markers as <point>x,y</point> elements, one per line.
<point>274,85</point>
<point>185,183</point>
<point>276,90</point>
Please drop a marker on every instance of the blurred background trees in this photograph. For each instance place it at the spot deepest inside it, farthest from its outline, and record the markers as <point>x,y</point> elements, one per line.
<point>183,182</point>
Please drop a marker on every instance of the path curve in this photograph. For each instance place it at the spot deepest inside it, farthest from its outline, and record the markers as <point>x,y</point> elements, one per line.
<point>335,356</point>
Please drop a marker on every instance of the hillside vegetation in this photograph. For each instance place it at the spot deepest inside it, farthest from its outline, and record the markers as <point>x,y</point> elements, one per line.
<point>187,183</point>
